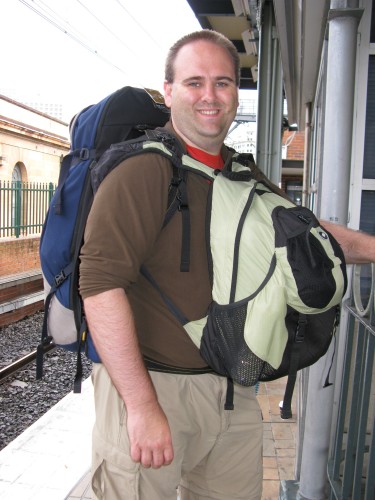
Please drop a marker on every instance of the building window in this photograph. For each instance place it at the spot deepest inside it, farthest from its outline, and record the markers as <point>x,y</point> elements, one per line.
<point>293,189</point>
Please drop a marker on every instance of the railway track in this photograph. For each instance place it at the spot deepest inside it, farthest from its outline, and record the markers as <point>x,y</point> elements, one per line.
<point>16,302</point>
<point>15,366</point>
<point>23,398</point>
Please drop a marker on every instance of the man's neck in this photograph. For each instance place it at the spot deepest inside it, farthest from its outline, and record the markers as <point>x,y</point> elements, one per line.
<point>210,146</point>
<point>213,161</point>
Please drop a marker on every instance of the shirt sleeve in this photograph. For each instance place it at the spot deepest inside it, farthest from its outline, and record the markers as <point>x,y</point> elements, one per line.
<point>124,222</point>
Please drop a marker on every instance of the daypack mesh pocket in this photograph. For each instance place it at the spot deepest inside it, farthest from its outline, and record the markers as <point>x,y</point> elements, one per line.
<point>224,349</point>
<point>223,346</point>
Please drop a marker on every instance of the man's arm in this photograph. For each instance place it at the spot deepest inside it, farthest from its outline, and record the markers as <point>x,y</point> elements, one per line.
<point>358,247</point>
<point>111,325</point>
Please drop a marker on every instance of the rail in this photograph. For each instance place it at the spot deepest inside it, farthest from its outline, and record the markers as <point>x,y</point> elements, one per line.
<point>246,111</point>
<point>351,465</point>
<point>23,207</point>
<point>20,363</point>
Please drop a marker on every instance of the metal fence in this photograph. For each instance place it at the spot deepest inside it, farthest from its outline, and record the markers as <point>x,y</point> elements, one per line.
<point>352,463</point>
<point>23,207</point>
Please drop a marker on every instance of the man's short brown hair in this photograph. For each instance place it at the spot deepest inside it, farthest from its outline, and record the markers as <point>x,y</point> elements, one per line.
<point>210,36</point>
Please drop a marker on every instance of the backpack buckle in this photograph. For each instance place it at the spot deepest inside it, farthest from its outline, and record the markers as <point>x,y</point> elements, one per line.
<point>182,207</point>
<point>84,154</point>
<point>300,331</point>
<point>60,278</point>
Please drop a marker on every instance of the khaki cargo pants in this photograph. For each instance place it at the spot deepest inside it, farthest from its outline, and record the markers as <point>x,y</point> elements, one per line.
<point>217,453</point>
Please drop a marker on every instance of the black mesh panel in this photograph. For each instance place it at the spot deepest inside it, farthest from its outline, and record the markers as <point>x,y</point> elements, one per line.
<point>223,346</point>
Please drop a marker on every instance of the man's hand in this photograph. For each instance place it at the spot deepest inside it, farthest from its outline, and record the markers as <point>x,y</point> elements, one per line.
<point>150,436</point>
<point>113,330</point>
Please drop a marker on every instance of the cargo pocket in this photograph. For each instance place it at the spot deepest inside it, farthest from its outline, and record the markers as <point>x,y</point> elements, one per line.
<point>97,485</point>
<point>113,473</point>
<point>109,481</point>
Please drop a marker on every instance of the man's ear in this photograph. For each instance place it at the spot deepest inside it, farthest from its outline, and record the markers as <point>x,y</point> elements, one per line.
<point>167,94</point>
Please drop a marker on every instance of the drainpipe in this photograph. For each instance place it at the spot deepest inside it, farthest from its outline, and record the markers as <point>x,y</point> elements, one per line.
<point>306,159</point>
<point>343,20</point>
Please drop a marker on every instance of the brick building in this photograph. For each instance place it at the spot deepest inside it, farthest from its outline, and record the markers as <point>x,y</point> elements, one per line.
<point>31,146</point>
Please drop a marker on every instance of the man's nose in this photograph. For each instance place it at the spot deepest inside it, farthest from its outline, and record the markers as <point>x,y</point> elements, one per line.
<point>209,92</point>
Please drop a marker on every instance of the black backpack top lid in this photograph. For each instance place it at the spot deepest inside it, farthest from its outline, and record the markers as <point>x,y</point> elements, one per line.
<point>122,119</point>
<point>123,115</point>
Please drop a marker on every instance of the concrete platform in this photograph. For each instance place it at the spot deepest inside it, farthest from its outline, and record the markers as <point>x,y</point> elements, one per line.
<point>53,454</point>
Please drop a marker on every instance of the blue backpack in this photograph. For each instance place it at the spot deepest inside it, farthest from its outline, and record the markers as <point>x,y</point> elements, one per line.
<point>124,115</point>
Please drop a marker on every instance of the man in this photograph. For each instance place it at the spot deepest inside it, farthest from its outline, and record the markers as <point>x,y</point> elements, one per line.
<point>165,428</point>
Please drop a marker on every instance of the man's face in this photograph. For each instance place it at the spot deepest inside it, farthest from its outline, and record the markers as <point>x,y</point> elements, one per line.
<point>203,96</point>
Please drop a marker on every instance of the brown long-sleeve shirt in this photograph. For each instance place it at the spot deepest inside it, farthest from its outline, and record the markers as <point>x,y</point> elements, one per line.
<point>124,230</point>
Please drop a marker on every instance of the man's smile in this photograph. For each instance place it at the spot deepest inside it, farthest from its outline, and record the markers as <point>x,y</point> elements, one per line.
<point>208,111</point>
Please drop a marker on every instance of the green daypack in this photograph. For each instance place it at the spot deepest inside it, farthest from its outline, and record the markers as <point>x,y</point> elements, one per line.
<point>267,254</point>
<point>278,277</point>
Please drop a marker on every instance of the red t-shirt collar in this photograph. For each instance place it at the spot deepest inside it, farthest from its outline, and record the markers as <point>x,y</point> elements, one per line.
<point>213,161</point>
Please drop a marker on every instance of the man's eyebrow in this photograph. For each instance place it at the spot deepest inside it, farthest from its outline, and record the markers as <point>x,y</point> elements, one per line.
<point>191,78</point>
<point>200,78</point>
<point>225,77</point>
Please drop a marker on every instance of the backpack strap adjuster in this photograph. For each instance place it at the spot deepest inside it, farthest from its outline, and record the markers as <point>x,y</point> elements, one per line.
<point>84,154</point>
<point>300,330</point>
<point>63,274</point>
<point>60,278</point>
<point>182,207</point>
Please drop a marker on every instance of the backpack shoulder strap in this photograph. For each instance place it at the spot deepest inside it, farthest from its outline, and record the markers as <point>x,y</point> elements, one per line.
<point>69,161</point>
<point>162,142</point>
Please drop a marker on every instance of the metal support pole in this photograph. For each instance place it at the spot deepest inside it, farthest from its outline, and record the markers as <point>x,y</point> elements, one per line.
<point>277,113</point>
<point>270,99</point>
<point>341,70</point>
<point>264,75</point>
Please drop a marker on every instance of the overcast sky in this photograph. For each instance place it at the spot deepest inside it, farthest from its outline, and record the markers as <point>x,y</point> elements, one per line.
<point>78,51</point>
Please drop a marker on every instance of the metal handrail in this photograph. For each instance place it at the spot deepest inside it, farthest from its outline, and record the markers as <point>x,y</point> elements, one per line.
<point>352,460</point>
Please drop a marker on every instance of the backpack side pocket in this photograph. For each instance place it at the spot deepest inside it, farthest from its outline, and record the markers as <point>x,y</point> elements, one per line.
<point>313,273</point>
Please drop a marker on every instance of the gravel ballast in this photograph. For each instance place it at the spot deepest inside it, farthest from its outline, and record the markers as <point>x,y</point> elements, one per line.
<point>23,399</point>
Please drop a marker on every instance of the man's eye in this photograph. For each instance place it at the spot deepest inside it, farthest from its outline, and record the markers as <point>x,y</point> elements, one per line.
<point>194,84</point>
<point>222,84</point>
